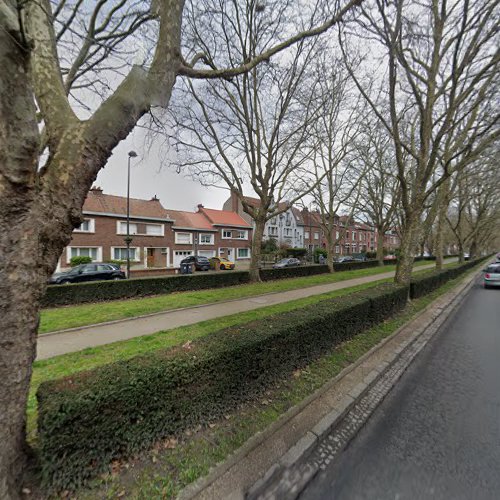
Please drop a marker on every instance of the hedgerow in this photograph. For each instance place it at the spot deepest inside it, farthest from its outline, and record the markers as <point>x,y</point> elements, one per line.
<point>91,418</point>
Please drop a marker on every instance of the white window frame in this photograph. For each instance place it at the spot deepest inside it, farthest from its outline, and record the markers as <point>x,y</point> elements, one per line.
<point>162,227</point>
<point>137,253</point>
<point>177,242</point>
<point>227,231</point>
<point>124,232</point>
<point>238,253</point>
<point>272,231</point>
<point>91,227</point>
<point>353,236</point>
<point>211,242</point>
<point>240,231</point>
<point>316,235</point>
<point>288,232</point>
<point>306,235</point>
<point>134,224</point>
<point>69,248</point>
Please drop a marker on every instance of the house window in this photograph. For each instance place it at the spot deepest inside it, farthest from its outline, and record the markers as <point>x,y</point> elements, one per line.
<point>288,231</point>
<point>154,229</point>
<point>87,226</point>
<point>183,238</point>
<point>337,235</point>
<point>354,235</point>
<point>93,252</point>
<point>243,253</point>
<point>316,236</point>
<point>306,235</point>
<point>241,235</point>
<point>120,253</point>
<point>206,239</point>
<point>337,249</point>
<point>227,234</point>
<point>273,231</point>
<point>122,228</point>
<point>347,235</point>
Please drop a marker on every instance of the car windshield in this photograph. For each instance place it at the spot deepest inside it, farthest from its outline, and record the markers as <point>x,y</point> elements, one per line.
<point>283,261</point>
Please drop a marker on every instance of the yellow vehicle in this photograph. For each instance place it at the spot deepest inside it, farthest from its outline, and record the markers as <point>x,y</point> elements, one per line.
<point>221,263</point>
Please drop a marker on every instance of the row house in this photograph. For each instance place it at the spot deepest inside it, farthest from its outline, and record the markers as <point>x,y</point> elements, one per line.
<point>287,228</point>
<point>161,238</point>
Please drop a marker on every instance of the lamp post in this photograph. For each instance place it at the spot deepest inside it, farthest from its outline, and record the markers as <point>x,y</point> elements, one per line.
<point>128,239</point>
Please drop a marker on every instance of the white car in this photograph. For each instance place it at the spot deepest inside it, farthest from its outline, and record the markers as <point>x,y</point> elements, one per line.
<point>491,277</point>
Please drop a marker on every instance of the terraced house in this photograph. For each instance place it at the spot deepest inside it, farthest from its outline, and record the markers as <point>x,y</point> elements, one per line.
<point>161,238</point>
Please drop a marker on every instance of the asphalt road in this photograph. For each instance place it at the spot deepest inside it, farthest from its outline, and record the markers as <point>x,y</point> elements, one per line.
<point>437,433</point>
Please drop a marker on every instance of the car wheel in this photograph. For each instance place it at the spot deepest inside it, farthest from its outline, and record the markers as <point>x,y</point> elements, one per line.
<point>222,267</point>
<point>64,282</point>
<point>486,286</point>
<point>116,278</point>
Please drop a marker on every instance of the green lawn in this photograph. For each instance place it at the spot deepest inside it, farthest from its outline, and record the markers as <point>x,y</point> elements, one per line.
<point>88,314</point>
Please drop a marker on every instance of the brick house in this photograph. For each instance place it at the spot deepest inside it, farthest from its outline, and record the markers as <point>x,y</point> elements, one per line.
<point>161,238</point>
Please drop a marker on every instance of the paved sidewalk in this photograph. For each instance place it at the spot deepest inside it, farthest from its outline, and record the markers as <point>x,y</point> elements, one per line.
<point>55,344</point>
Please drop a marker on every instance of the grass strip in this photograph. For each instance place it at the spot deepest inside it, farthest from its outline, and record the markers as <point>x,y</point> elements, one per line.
<point>60,318</point>
<point>165,470</point>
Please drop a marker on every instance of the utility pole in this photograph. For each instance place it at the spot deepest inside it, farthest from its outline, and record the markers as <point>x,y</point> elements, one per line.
<point>128,239</point>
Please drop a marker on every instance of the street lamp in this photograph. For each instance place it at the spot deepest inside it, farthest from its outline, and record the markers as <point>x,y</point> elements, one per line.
<point>128,239</point>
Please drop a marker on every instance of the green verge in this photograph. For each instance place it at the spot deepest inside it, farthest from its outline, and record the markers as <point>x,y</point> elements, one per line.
<point>75,316</point>
<point>163,471</point>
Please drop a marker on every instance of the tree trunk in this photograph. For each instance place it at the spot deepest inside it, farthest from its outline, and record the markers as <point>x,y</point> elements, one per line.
<point>258,234</point>
<point>408,244</point>
<point>380,246</point>
<point>330,247</point>
<point>20,282</point>
<point>439,245</point>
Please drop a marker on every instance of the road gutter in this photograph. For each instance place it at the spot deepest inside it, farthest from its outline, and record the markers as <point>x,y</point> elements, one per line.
<point>268,465</point>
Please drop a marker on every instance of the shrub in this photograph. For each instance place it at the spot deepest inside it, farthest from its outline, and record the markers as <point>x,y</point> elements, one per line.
<point>269,246</point>
<point>99,291</point>
<point>318,252</point>
<point>117,262</point>
<point>422,285</point>
<point>350,266</point>
<point>291,272</point>
<point>91,418</point>
<point>80,259</point>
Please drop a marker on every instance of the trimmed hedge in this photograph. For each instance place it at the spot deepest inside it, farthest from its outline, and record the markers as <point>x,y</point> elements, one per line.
<point>291,272</point>
<point>351,266</point>
<point>422,285</point>
<point>88,419</point>
<point>98,291</point>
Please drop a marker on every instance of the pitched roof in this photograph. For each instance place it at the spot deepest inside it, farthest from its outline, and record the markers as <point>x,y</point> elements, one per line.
<point>190,220</point>
<point>255,202</point>
<point>224,218</point>
<point>311,219</point>
<point>298,216</point>
<point>98,202</point>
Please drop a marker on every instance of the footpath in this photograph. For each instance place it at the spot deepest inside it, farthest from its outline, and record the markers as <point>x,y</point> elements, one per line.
<point>77,339</point>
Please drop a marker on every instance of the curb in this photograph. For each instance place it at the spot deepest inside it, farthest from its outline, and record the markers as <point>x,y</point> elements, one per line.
<point>332,418</point>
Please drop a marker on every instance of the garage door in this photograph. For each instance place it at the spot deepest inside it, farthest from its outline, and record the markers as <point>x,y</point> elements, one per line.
<point>179,255</point>
<point>206,253</point>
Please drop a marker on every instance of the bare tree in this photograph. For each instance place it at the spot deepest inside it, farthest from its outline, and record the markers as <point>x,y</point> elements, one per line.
<point>41,197</point>
<point>380,193</point>
<point>442,60</point>
<point>252,130</point>
<point>336,167</point>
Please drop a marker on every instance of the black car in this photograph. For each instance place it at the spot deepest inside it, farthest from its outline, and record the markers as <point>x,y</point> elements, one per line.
<point>200,263</point>
<point>346,258</point>
<point>96,271</point>
<point>291,262</point>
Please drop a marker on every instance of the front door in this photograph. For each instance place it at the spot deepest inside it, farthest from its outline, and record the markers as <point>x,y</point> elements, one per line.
<point>150,257</point>
<point>230,254</point>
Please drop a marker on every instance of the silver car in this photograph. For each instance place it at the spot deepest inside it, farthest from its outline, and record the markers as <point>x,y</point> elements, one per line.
<point>491,275</point>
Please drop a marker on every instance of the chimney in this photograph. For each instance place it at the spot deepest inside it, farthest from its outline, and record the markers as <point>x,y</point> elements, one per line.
<point>200,207</point>
<point>155,198</point>
<point>96,190</point>
<point>234,202</point>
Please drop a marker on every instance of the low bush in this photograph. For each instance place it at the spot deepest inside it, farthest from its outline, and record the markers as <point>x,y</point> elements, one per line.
<point>99,291</point>
<point>351,266</point>
<point>91,418</point>
<point>422,285</point>
<point>291,272</point>
<point>318,252</point>
<point>79,259</point>
<point>298,253</point>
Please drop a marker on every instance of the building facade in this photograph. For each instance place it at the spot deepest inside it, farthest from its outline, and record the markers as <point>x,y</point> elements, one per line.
<point>161,238</point>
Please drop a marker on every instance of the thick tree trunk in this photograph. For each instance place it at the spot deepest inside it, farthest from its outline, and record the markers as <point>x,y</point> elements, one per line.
<point>439,245</point>
<point>380,246</point>
<point>258,234</point>
<point>330,247</point>
<point>20,281</point>
<point>408,244</point>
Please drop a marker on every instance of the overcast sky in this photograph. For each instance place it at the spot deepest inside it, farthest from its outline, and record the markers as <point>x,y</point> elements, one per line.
<point>175,191</point>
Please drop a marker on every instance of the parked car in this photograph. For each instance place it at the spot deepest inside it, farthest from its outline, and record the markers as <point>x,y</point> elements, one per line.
<point>360,258</point>
<point>290,262</point>
<point>491,275</point>
<point>200,263</point>
<point>346,258</point>
<point>95,271</point>
<point>221,263</point>
<point>390,257</point>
